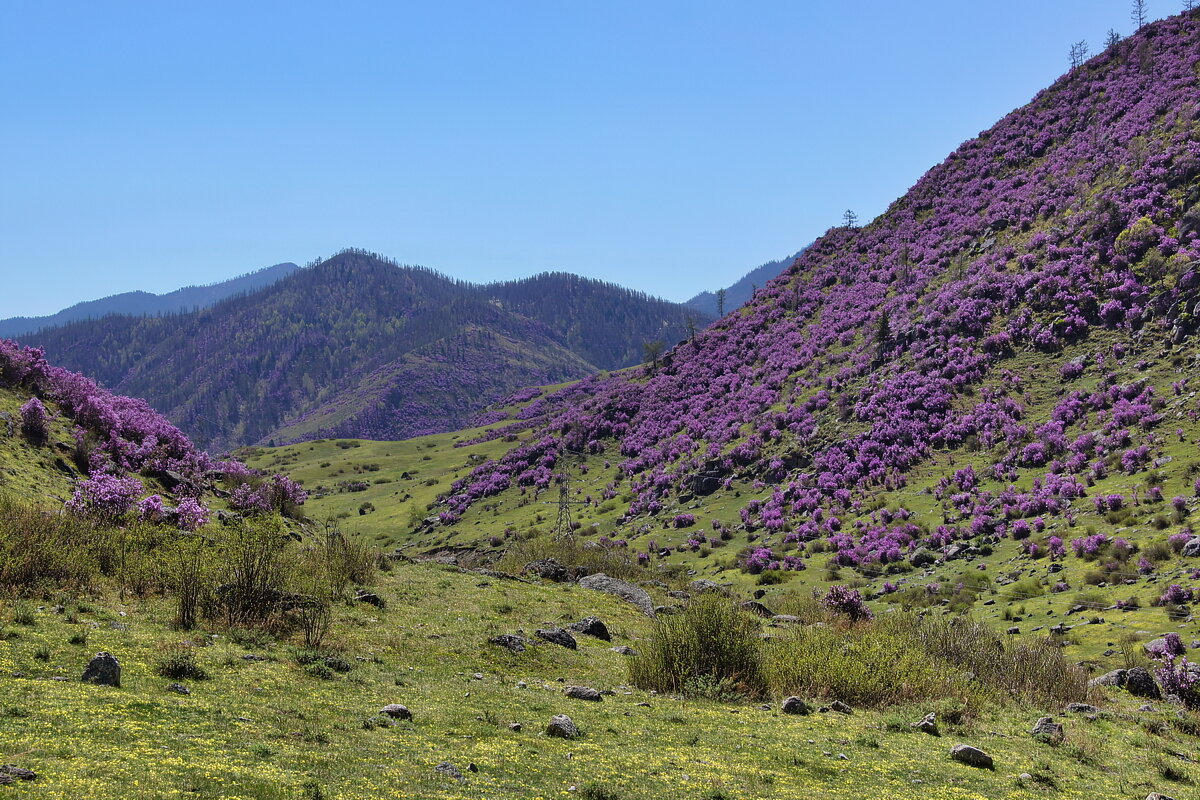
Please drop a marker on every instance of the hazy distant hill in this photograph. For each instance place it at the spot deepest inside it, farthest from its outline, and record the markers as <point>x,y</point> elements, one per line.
<point>146,303</point>
<point>740,293</point>
<point>360,346</point>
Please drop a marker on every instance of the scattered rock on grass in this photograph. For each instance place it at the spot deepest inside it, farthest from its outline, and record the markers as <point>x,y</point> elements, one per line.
<point>592,626</point>
<point>562,726</point>
<point>1047,730</point>
<point>1081,708</point>
<point>557,636</point>
<point>583,693</point>
<point>178,688</point>
<point>396,711</point>
<point>623,589</point>
<point>624,650</point>
<point>1115,678</point>
<point>840,707</point>
<point>104,669</point>
<point>702,585</point>
<point>510,642</point>
<point>794,705</point>
<point>449,770</point>
<point>370,598</point>
<point>1140,683</point>
<point>971,756</point>
<point>15,773</point>
<point>928,724</point>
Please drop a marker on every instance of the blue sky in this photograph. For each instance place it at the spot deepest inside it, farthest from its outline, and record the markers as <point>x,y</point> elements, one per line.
<point>668,146</point>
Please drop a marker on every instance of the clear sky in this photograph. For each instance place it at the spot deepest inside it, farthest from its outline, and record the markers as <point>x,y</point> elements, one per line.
<point>667,145</point>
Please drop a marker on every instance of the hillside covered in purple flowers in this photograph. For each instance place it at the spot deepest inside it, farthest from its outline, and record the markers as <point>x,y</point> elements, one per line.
<point>1016,336</point>
<point>359,346</point>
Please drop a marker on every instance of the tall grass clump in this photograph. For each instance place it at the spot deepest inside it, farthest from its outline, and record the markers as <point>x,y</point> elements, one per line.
<point>711,648</point>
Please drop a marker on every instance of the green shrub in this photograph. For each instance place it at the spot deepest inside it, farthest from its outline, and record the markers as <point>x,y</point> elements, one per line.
<point>712,640</point>
<point>179,663</point>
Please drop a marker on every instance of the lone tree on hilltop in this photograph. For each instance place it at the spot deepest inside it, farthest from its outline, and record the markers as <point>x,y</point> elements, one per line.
<point>1138,14</point>
<point>1112,38</point>
<point>850,219</point>
<point>720,302</point>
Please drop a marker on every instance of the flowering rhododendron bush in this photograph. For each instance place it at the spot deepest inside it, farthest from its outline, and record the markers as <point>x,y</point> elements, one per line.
<point>118,438</point>
<point>1072,226</point>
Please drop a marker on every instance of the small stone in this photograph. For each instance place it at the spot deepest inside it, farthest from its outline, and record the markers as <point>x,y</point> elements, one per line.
<point>514,726</point>
<point>583,693</point>
<point>396,711</point>
<point>642,705</point>
<point>478,676</point>
<point>971,756</point>
<point>104,669</point>
<point>794,705</point>
<point>1158,795</point>
<point>840,707</point>
<point>522,685</point>
<point>562,726</point>
<point>449,770</point>
<point>178,688</point>
<point>624,650</point>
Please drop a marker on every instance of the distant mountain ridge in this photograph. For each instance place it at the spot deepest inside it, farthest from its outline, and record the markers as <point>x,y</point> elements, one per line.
<point>740,292</point>
<point>141,303</point>
<point>359,346</point>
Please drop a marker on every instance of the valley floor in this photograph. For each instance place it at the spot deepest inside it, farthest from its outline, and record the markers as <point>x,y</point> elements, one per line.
<point>265,725</point>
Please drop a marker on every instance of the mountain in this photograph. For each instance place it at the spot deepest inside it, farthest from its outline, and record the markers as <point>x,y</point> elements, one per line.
<point>147,304</point>
<point>740,293</point>
<point>359,346</point>
<point>1002,365</point>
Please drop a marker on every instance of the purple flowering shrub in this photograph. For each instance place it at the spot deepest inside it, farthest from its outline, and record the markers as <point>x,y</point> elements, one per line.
<point>104,497</point>
<point>846,602</point>
<point>35,421</point>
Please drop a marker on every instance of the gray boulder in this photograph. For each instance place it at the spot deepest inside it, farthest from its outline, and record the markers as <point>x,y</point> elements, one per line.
<point>557,636</point>
<point>1158,796</point>
<point>562,727</point>
<point>583,693</point>
<point>1192,548</point>
<point>840,707</point>
<point>1140,683</point>
<point>794,705</point>
<point>971,756</point>
<point>624,650</point>
<point>104,669</point>
<point>592,626</point>
<point>623,589</point>
<point>1081,708</point>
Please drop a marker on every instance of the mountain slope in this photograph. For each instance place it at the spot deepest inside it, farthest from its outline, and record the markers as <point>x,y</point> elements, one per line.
<point>740,292</point>
<point>1003,363</point>
<point>360,346</point>
<point>145,303</point>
